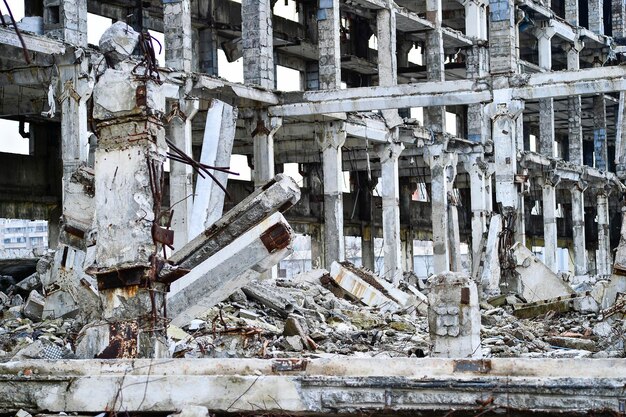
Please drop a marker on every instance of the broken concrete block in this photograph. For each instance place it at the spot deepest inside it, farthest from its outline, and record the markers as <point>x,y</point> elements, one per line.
<point>78,206</point>
<point>4,300</point>
<point>454,316</point>
<point>22,413</point>
<point>276,196</point>
<point>12,313</point>
<point>234,266</point>
<point>585,304</point>
<point>616,285</point>
<point>282,303</point>
<point>534,280</point>
<point>192,411</point>
<point>313,276</point>
<point>29,283</point>
<point>118,42</point>
<point>33,308</point>
<point>368,288</point>
<point>294,343</point>
<point>490,274</point>
<point>573,343</point>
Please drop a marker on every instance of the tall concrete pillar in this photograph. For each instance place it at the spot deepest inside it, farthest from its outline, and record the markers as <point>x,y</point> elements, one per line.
<point>66,20</point>
<point>208,47</point>
<point>392,247</point>
<point>435,116</point>
<point>262,129</point>
<point>328,34</point>
<point>604,262</point>
<point>549,223</point>
<point>480,183</point>
<point>477,65</point>
<point>365,207</point>
<point>331,139</point>
<point>596,16</point>
<point>442,171</point>
<point>476,19</point>
<point>177,33</point>
<point>502,37</point>
<point>408,256</point>
<point>317,247</point>
<point>578,231</point>
<point>258,43</point>
<point>181,175</point>
<point>544,36</point>
<point>618,19</point>
<point>368,253</point>
<point>599,132</point>
<point>572,12</point>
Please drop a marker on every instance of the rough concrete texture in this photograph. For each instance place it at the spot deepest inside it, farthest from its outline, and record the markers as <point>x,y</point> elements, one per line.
<point>454,316</point>
<point>535,281</point>
<point>118,42</point>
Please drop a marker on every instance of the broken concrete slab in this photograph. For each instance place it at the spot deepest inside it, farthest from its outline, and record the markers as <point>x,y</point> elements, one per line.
<point>490,273</point>
<point>537,308</point>
<point>534,280</point>
<point>34,305</point>
<point>118,42</point>
<point>454,316</point>
<point>368,288</point>
<point>234,266</point>
<point>276,196</point>
<point>281,303</point>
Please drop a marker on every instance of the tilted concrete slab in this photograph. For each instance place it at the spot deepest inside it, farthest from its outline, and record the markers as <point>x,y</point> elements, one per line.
<point>321,386</point>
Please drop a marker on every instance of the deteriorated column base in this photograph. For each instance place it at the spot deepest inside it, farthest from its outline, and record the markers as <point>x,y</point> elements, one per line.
<point>133,325</point>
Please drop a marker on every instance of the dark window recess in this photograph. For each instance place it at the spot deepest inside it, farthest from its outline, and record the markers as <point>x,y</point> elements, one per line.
<point>54,15</point>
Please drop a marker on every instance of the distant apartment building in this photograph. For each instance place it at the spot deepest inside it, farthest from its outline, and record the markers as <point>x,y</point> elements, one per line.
<point>21,238</point>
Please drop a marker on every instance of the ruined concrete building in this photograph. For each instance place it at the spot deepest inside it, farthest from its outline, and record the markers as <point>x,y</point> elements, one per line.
<point>497,125</point>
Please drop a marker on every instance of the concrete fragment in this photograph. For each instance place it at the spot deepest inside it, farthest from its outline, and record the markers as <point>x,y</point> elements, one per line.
<point>118,42</point>
<point>573,343</point>
<point>29,283</point>
<point>454,316</point>
<point>534,280</point>
<point>490,274</point>
<point>279,302</point>
<point>231,268</point>
<point>278,195</point>
<point>33,308</point>
<point>192,411</point>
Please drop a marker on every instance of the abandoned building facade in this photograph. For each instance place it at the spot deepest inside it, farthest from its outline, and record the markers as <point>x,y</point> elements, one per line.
<point>496,125</point>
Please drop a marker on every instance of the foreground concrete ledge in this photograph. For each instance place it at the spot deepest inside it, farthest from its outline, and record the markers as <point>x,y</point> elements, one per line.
<point>337,385</point>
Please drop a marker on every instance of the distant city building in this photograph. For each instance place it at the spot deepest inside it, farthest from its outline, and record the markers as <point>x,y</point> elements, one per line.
<point>21,238</point>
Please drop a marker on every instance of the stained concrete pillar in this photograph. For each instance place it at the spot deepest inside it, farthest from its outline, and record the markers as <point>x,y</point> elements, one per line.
<point>387,59</point>
<point>392,247</point>
<point>177,34</point>
<point>504,117</point>
<point>317,247</point>
<point>181,175</point>
<point>258,43</point>
<point>572,12</point>
<point>408,255</point>
<point>618,19</point>
<point>544,36</point>
<point>578,231</point>
<point>549,223</point>
<point>365,207</point>
<point>502,37</point>
<point>263,129</point>
<point>480,191</point>
<point>454,317</point>
<point>477,66</point>
<point>574,110</point>
<point>328,30</point>
<point>330,139</point>
<point>435,116</point>
<point>599,132</point>
<point>603,258</point>
<point>208,47</point>
<point>596,16</point>
<point>368,253</point>
<point>443,172</point>
<point>66,20</point>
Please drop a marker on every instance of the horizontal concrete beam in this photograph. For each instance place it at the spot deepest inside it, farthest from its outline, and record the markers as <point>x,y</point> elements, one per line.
<point>337,385</point>
<point>34,43</point>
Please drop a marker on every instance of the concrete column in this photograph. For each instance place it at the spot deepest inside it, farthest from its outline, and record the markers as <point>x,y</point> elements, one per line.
<point>328,29</point>
<point>505,148</point>
<point>572,12</point>
<point>546,106</point>
<point>520,216</point>
<point>502,37</point>
<point>368,254</point>
<point>74,92</point>
<point>604,261</point>
<point>208,48</point>
<point>331,139</point>
<point>317,247</point>
<point>578,231</point>
<point>263,139</point>
<point>574,110</point>
<point>596,16</point>
<point>480,181</point>
<point>181,175</point>
<point>477,65</point>
<point>177,34</point>
<point>408,257</point>
<point>365,209</point>
<point>66,20</point>
<point>549,224</point>
<point>258,43</point>
<point>435,117</point>
<point>618,18</point>
<point>442,171</point>
<point>392,247</point>
<point>476,19</point>
<point>387,59</point>
<point>599,132</point>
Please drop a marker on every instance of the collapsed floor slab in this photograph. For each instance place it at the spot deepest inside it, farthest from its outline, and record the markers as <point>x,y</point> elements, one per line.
<point>313,387</point>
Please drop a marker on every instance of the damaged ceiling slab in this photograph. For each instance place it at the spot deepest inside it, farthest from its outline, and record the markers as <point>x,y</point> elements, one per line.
<point>455,170</point>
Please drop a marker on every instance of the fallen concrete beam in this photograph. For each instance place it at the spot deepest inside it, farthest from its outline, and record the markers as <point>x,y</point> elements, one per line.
<point>558,305</point>
<point>277,195</point>
<point>373,291</point>
<point>316,387</point>
<point>228,270</point>
<point>535,281</point>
